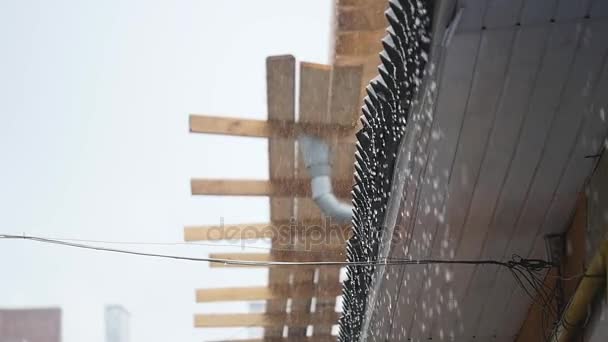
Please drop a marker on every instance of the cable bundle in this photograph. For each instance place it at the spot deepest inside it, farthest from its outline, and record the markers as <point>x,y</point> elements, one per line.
<point>385,115</point>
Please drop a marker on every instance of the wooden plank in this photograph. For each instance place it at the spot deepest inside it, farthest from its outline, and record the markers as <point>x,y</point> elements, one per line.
<point>314,93</point>
<point>316,98</point>
<point>325,338</point>
<point>344,94</point>
<point>362,18</point>
<point>276,187</point>
<point>229,232</point>
<point>537,324</point>
<point>328,233</point>
<point>314,105</point>
<point>260,320</point>
<point>359,43</point>
<point>572,265</point>
<point>263,293</point>
<point>357,3</point>
<point>369,65</point>
<point>267,129</point>
<point>303,256</point>
<point>280,87</point>
<point>280,98</point>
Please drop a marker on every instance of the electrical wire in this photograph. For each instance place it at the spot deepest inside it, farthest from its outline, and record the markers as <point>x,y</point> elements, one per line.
<point>529,274</point>
<point>151,243</point>
<point>517,263</point>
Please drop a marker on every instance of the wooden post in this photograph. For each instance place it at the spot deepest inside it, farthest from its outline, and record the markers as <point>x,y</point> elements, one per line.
<point>280,99</point>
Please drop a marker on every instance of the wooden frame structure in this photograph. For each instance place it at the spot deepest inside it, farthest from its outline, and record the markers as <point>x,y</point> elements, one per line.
<point>329,101</point>
<point>323,90</point>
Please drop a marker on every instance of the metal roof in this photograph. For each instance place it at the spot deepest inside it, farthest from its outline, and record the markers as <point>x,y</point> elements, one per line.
<point>493,158</point>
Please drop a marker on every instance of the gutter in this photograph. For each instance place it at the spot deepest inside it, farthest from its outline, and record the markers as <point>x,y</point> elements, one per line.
<point>577,311</point>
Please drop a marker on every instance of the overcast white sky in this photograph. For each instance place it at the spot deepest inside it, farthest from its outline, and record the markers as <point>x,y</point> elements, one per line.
<point>94,144</point>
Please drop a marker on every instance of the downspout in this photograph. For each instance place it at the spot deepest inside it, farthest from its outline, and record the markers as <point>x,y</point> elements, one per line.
<point>315,154</point>
<point>577,310</point>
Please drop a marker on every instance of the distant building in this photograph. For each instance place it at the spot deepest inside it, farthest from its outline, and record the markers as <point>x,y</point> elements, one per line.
<point>30,325</point>
<point>256,307</point>
<point>117,324</point>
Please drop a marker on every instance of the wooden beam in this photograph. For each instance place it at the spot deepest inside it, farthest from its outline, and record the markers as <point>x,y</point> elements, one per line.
<point>229,232</point>
<point>534,327</point>
<point>362,18</point>
<point>346,83</point>
<point>262,320</point>
<point>320,338</point>
<point>359,43</point>
<point>304,256</point>
<point>357,3</point>
<point>274,188</point>
<point>267,129</point>
<point>332,233</point>
<point>314,95</point>
<point>264,293</point>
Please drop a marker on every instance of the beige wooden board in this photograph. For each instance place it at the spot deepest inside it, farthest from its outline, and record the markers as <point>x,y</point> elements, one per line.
<point>358,3</point>
<point>280,93</point>
<point>344,110</point>
<point>288,255</point>
<point>261,320</point>
<point>263,293</point>
<point>314,97</point>
<point>368,17</point>
<point>314,93</point>
<point>332,235</point>
<point>230,232</point>
<point>344,94</point>
<point>249,187</point>
<point>267,129</point>
<point>343,104</point>
<point>358,43</point>
<point>326,338</point>
<point>274,187</point>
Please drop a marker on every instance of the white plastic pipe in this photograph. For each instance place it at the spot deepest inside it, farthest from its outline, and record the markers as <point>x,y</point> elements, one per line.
<point>315,153</point>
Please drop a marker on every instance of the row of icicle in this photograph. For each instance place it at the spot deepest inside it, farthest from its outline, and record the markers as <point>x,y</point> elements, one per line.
<point>386,112</point>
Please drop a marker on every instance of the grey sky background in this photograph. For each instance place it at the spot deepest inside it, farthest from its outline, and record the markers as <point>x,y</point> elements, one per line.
<point>94,144</point>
